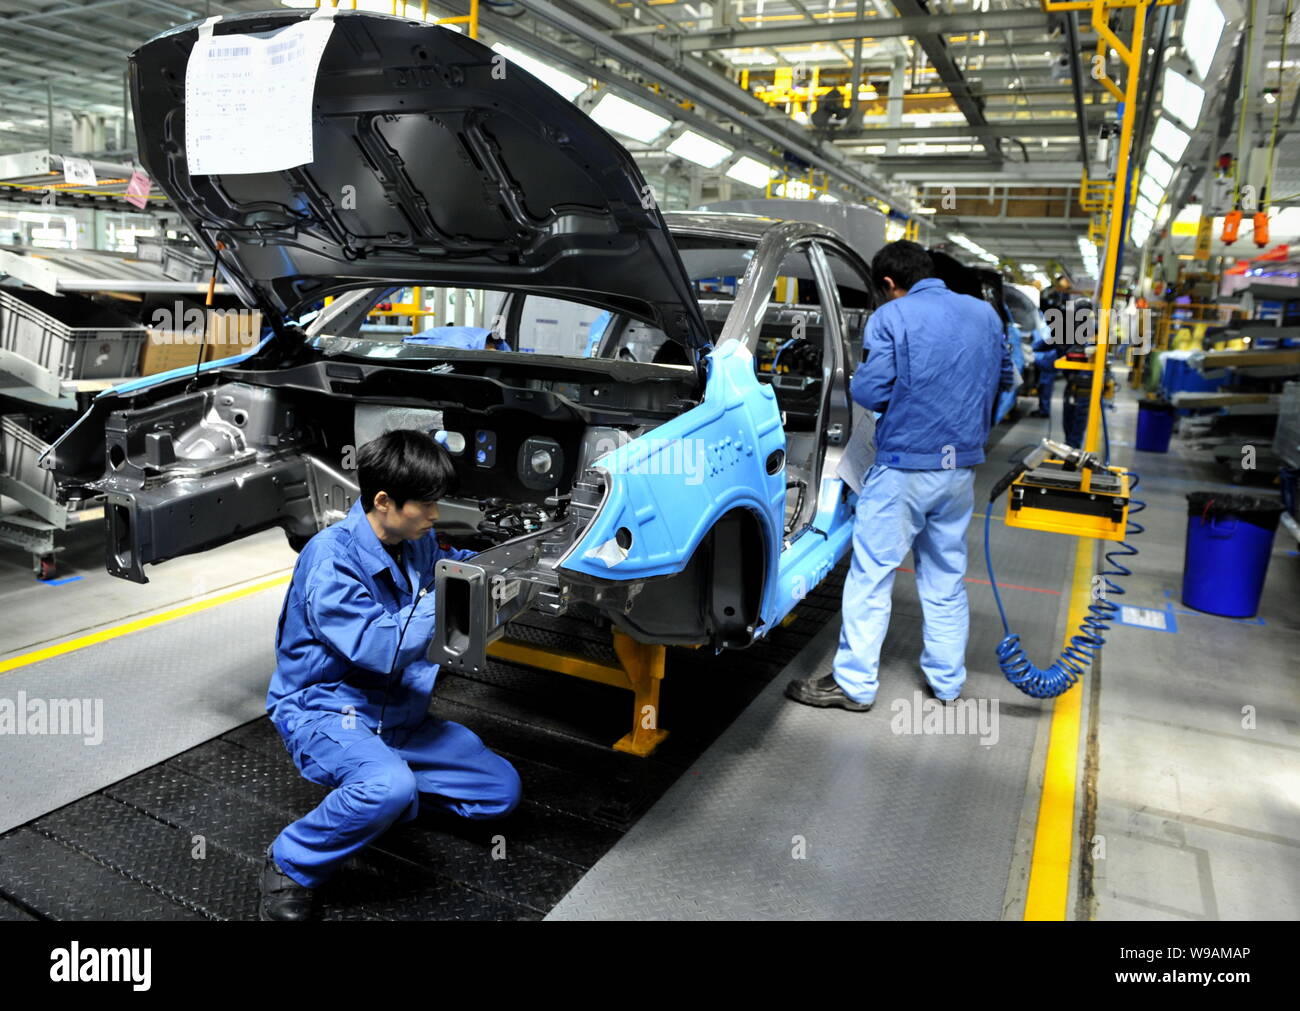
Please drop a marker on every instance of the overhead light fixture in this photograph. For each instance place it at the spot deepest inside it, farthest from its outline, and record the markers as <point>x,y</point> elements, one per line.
<point>795,189</point>
<point>1159,169</point>
<point>1203,24</point>
<point>973,247</point>
<point>1151,189</point>
<point>566,85</point>
<point>699,149</point>
<point>1169,140</point>
<point>1182,98</point>
<point>751,172</point>
<point>627,119</point>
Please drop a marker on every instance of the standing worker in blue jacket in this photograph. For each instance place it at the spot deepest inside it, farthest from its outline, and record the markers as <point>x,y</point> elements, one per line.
<point>351,690</point>
<point>1052,300</point>
<point>936,360</point>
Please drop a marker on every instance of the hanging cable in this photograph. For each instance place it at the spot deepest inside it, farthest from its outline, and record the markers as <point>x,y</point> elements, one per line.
<point>1277,109</point>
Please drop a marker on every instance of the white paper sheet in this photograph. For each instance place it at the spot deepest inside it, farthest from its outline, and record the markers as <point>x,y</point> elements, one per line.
<point>860,453</point>
<point>248,100</point>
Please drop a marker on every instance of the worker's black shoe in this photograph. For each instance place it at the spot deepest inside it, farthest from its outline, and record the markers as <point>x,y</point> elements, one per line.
<point>824,693</point>
<point>1040,413</point>
<point>282,897</point>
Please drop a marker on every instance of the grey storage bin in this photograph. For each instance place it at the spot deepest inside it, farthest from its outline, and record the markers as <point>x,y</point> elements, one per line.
<point>20,450</point>
<point>69,336</point>
<point>186,263</point>
<point>149,248</point>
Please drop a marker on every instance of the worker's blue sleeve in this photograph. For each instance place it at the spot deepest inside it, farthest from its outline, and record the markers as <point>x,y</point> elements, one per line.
<point>873,382</point>
<point>344,615</point>
<point>454,554</point>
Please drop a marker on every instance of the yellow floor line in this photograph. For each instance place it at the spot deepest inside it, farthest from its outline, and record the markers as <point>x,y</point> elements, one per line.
<point>135,626</point>
<point>1049,867</point>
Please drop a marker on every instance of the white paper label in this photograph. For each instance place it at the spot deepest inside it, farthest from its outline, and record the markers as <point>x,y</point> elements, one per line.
<point>79,172</point>
<point>248,100</point>
<point>1143,617</point>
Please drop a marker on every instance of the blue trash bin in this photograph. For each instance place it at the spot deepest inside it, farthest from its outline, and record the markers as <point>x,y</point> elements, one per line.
<point>1229,542</point>
<point>1155,425</point>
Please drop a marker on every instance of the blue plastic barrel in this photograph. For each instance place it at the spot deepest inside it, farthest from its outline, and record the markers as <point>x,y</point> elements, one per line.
<point>1155,425</point>
<point>1229,542</point>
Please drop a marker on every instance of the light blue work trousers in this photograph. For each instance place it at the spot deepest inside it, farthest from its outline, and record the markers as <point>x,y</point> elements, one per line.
<point>925,512</point>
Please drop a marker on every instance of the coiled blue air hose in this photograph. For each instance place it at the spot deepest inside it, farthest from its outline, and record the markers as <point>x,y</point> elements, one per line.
<point>1047,683</point>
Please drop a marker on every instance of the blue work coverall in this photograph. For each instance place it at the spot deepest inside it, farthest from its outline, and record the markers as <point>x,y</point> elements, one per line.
<point>1045,356</point>
<point>935,363</point>
<point>337,638</point>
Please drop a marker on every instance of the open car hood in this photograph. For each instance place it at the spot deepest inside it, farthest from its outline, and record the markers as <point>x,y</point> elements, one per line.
<point>459,177</point>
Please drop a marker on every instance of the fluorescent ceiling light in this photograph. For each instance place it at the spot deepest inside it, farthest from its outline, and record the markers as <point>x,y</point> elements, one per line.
<point>1151,189</point>
<point>750,171</point>
<point>568,86</point>
<point>1203,24</point>
<point>973,247</point>
<point>1159,170</point>
<point>698,149</point>
<point>1169,140</point>
<point>627,119</point>
<point>795,189</point>
<point>1285,223</point>
<point>1182,98</point>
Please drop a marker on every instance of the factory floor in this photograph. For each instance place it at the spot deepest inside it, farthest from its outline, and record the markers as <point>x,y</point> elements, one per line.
<point>1161,787</point>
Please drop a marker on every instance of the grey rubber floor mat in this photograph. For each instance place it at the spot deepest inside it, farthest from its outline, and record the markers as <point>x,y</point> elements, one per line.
<point>143,697</point>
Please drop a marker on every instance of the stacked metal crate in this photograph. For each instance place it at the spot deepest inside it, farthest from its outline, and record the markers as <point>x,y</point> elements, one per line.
<point>47,343</point>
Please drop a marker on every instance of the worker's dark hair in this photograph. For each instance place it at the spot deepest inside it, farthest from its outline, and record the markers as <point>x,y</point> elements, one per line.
<point>406,464</point>
<point>904,262</point>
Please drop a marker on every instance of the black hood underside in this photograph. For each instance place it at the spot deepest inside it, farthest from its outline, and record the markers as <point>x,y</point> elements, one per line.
<point>435,162</point>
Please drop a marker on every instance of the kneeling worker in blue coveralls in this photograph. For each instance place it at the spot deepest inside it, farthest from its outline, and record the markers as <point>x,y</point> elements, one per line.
<point>362,587</point>
<point>935,363</point>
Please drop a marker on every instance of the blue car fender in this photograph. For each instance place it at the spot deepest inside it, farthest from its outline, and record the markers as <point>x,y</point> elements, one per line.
<point>666,489</point>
